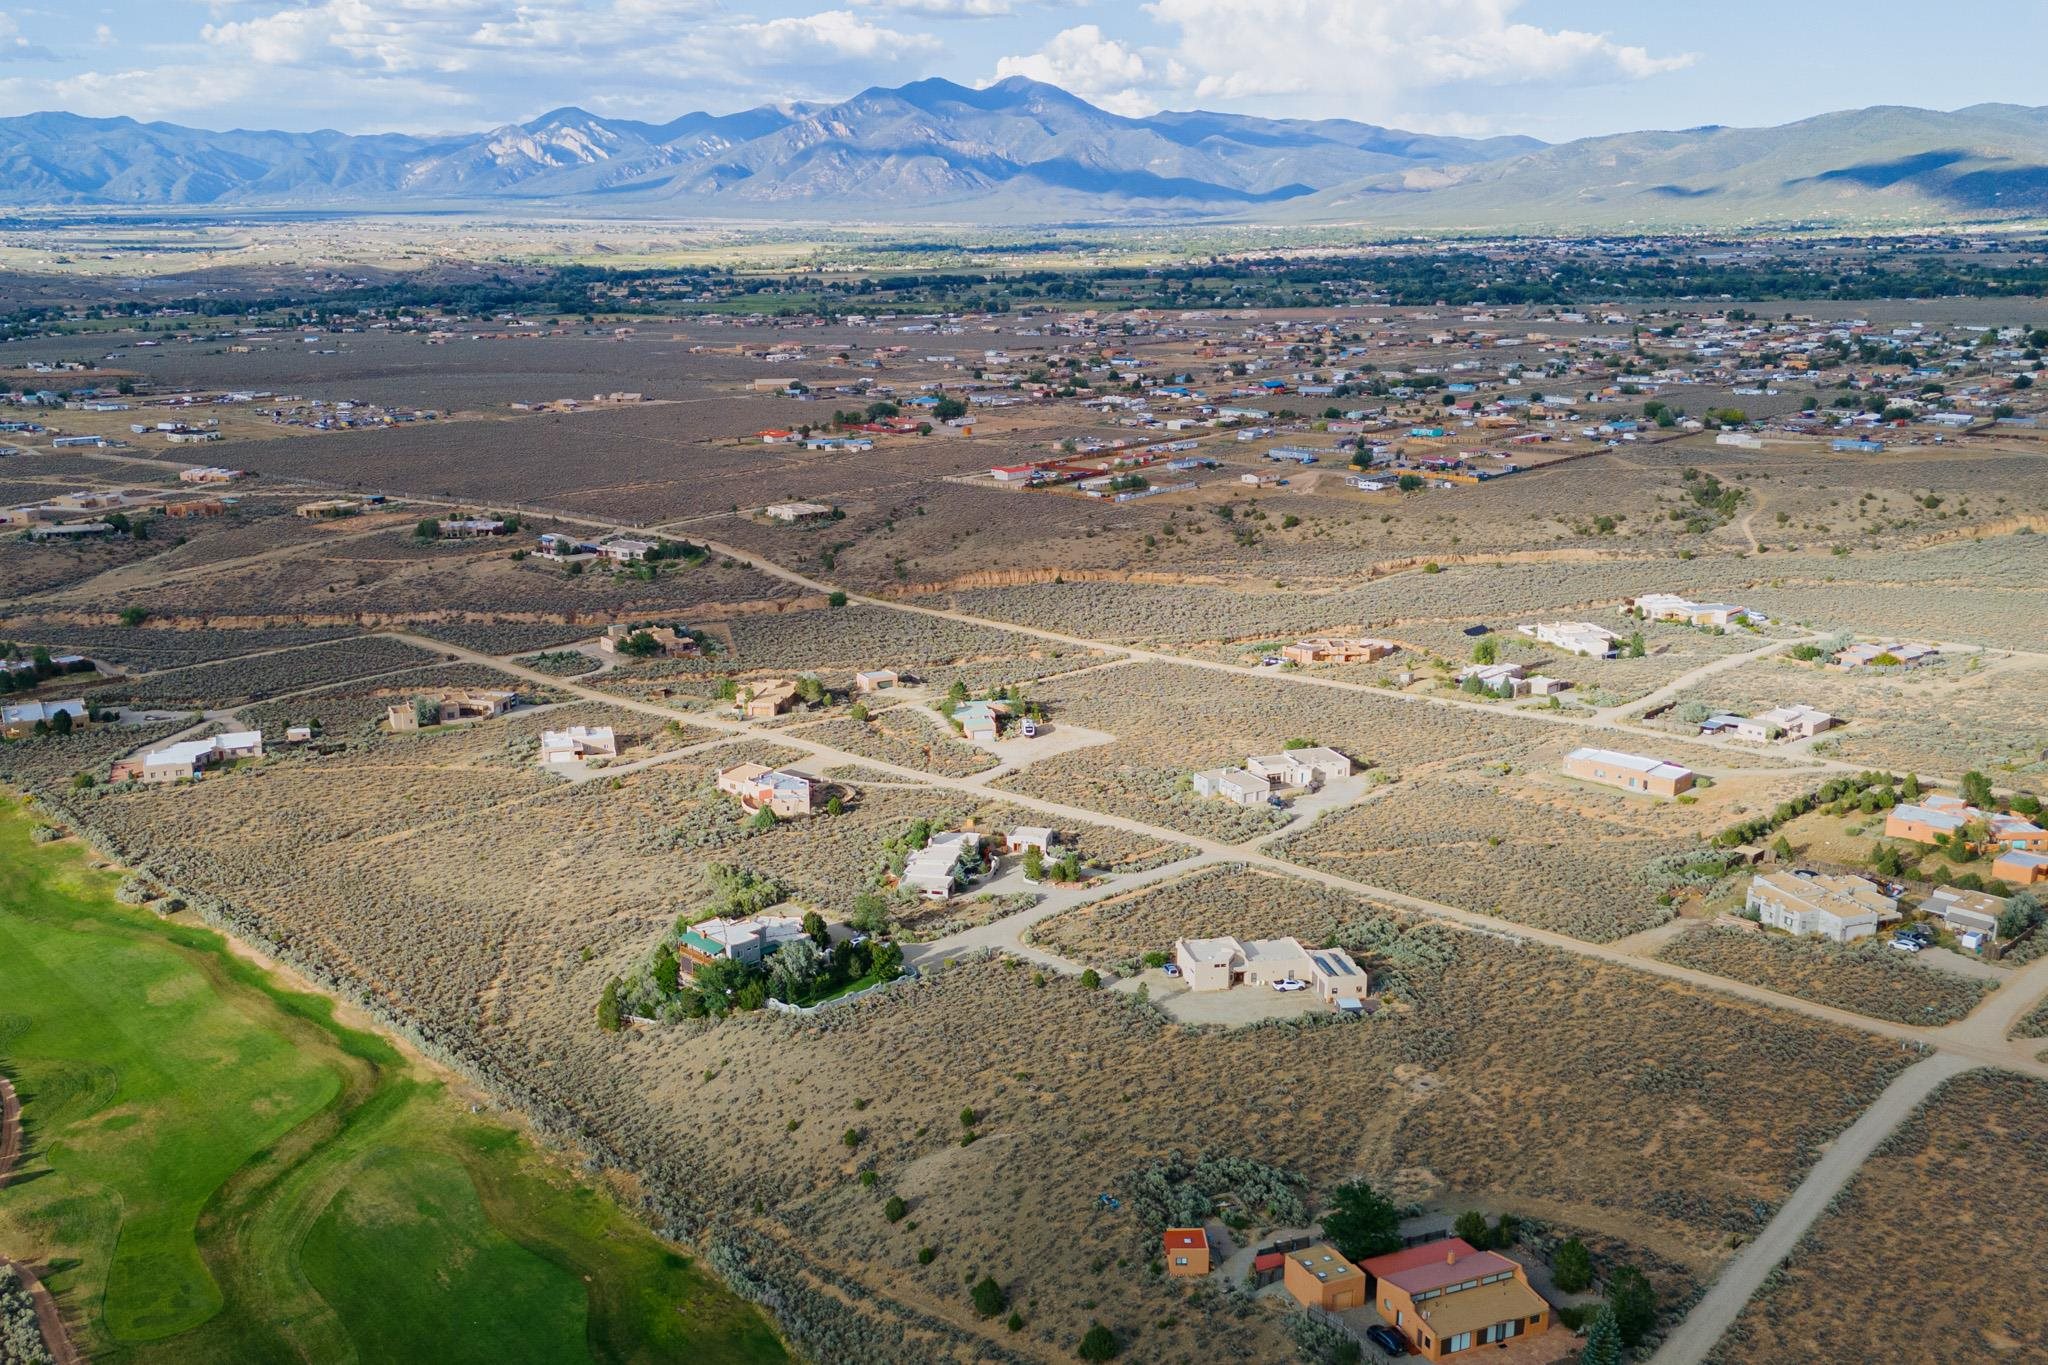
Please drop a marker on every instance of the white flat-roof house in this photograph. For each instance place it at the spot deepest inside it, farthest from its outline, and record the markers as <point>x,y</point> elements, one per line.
<point>188,758</point>
<point>578,742</point>
<point>1310,767</point>
<point>1233,784</point>
<point>935,870</point>
<point>1575,637</point>
<point>1839,908</point>
<point>1217,964</point>
<point>1669,606</point>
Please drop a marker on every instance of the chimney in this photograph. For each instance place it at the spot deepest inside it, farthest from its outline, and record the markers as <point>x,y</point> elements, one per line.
<point>1450,1255</point>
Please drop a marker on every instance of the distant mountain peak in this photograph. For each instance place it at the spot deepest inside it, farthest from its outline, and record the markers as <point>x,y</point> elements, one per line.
<point>1022,150</point>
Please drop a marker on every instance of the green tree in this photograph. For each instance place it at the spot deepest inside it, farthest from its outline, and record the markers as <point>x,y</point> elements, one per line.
<point>1977,790</point>
<point>60,723</point>
<point>428,529</point>
<point>1783,848</point>
<point>133,616</point>
<point>836,599</point>
<point>1634,1304</point>
<point>608,1014</point>
<point>989,1298</point>
<point>1034,863</point>
<point>1910,789</point>
<point>870,914</point>
<point>1603,1340</point>
<point>1487,651</point>
<point>814,929</point>
<point>895,1208</point>
<point>1091,980</point>
<point>1635,645</point>
<point>764,819</point>
<point>1098,1343</point>
<point>1471,1226</point>
<point>2022,912</point>
<point>1361,1223</point>
<point>1572,1266</point>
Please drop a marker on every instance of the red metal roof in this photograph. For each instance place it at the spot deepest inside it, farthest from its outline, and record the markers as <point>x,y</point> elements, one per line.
<point>1179,1239</point>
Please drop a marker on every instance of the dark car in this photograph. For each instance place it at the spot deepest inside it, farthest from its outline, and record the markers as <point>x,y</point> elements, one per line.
<point>1387,1339</point>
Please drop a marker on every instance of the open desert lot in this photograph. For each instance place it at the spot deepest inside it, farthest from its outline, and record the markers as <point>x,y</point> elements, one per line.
<point>1926,1199</point>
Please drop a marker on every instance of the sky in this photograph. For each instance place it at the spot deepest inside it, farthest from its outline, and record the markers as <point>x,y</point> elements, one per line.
<point>1554,69</point>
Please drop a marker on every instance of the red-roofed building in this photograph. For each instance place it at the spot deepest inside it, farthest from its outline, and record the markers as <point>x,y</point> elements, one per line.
<point>1187,1251</point>
<point>1447,1297</point>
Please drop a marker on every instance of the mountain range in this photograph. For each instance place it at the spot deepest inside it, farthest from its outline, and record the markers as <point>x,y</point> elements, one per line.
<point>1022,151</point>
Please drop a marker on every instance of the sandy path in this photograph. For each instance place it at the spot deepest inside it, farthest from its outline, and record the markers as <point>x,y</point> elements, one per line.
<point>1717,1311</point>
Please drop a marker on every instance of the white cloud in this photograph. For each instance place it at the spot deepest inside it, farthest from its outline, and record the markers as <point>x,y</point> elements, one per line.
<point>944,9</point>
<point>1098,68</point>
<point>1325,57</point>
<point>103,35</point>
<point>1339,52</point>
<point>832,34</point>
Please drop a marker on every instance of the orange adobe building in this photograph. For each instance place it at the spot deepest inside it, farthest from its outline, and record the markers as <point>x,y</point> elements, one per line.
<point>1448,1297</point>
<point>1187,1251</point>
<point>1319,1277</point>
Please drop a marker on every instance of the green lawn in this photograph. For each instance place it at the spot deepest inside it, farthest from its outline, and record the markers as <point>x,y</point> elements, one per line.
<point>219,1172</point>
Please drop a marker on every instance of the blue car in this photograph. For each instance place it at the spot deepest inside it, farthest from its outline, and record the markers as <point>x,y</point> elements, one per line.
<point>1387,1339</point>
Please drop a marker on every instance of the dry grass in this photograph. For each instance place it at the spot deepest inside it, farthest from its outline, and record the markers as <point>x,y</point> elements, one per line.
<point>1944,718</point>
<point>1171,721</point>
<point>907,736</point>
<point>1867,977</point>
<point>266,675</point>
<point>1527,845</point>
<point>1927,1212</point>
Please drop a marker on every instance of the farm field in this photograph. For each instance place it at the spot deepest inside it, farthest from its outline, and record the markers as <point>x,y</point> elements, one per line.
<point>1931,1203</point>
<point>176,1163</point>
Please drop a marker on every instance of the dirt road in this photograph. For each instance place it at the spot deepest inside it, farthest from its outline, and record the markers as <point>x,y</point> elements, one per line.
<point>1712,1316</point>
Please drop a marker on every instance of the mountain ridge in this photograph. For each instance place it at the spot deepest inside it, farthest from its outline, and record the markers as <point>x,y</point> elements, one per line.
<point>1021,151</point>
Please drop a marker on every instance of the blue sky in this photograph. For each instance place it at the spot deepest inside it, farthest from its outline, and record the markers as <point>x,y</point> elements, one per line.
<point>1554,69</point>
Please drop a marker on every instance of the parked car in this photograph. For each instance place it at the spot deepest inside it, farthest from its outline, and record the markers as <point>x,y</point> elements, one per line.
<point>1172,969</point>
<point>1272,661</point>
<point>1907,944</point>
<point>1290,985</point>
<point>1275,802</point>
<point>1387,1339</point>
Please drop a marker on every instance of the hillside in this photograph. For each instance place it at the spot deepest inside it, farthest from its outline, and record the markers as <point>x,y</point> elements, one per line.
<point>1021,151</point>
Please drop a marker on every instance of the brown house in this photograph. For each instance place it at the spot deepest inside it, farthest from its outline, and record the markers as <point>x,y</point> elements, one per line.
<point>1319,1277</point>
<point>451,705</point>
<point>1448,1297</point>
<point>1187,1251</point>
<point>1628,772</point>
<point>765,700</point>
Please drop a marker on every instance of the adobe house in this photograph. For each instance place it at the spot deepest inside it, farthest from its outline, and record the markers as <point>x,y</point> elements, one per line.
<point>1448,1297</point>
<point>1318,1276</point>
<point>1187,1251</point>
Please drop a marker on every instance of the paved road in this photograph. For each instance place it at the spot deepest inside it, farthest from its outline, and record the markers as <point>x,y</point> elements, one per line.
<point>1712,1316</point>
